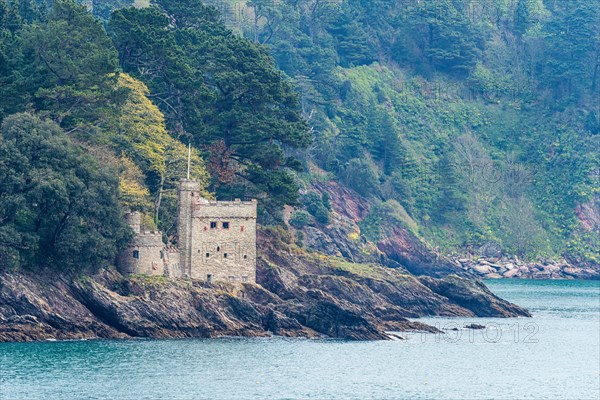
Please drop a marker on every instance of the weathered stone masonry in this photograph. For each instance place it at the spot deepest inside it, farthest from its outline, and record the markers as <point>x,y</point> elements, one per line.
<point>216,241</point>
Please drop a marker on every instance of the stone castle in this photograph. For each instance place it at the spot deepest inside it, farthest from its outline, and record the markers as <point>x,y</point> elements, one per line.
<point>216,241</point>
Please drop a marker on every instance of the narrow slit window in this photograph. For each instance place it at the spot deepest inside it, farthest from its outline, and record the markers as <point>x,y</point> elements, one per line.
<point>245,256</point>
<point>209,278</point>
<point>207,255</point>
<point>213,225</point>
<point>225,225</point>
<point>224,255</point>
<point>136,254</point>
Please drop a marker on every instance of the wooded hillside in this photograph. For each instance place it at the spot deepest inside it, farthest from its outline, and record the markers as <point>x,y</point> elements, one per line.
<point>465,122</point>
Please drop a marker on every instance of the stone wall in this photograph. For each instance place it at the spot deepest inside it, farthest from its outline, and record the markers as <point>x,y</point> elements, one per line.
<point>221,253</point>
<point>172,267</point>
<point>134,220</point>
<point>188,194</point>
<point>144,255</point>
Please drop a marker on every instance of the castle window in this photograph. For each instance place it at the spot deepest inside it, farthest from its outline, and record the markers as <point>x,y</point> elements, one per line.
<point>225,225</point>
<point>213,225</point>
<point>245,256</point>
<point>161,255</point>
<point>218,248</point>
<point>231,278</point>
<point>207,255</point>
<point>224,255</point>
<point>244,279</point>
<point>136,254</point>
<point>209,278</point>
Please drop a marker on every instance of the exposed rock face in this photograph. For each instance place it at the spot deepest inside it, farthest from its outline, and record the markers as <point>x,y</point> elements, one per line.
<point>397,247</point>
<point>473,295</point>
<point>402,246</point>
<point>345,201</point>
<point>589,214</point>
<point>30,309</point>
<point>298,294</point>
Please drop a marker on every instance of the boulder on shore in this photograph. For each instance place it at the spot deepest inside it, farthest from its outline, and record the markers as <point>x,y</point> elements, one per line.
<point>483,269</point>
<point>493,275</point>
<point>511,273</point>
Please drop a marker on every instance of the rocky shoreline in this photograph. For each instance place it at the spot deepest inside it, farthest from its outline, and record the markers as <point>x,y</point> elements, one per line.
<point>298,294</point>
<point>501,268</point>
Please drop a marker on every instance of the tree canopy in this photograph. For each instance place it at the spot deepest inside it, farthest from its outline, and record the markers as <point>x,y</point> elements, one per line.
<point>220,91</point>
<point>58,205</point>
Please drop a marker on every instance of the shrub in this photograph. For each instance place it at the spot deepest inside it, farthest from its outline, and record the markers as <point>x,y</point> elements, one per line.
<point>316,207</point>
<point>299,219</point>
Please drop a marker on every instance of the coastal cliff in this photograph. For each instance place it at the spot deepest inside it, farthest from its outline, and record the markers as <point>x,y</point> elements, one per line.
<point>298,294</point>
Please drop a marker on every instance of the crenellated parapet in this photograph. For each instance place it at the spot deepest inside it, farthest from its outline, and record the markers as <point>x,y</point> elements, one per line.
<point>225,209</point>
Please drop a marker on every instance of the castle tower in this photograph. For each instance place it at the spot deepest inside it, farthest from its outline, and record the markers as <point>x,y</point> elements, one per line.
<point>188,193</point>
<point>216,241</point>
<point>144,254</point>
<point>134,220</point>
<point>224,241</point>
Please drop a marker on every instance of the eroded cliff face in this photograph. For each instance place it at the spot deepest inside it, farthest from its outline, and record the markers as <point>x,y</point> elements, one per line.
<point>299,294</point>
<point>397,246</point>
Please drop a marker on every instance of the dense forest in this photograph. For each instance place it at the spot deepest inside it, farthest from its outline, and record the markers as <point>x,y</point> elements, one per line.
<point>468,122</point>
<point>478,119</point>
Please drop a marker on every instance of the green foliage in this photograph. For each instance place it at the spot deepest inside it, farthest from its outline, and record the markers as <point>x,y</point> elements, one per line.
<point>300,219</point>
<point>71,59</point>
<point>217,88</point>
<point>352,42</point>
<point>360,175</point>
<point>61,64</point>
<point>316,207</point>
<point>325,199</point>
<point>384,216</point>
<point>572,39</point>
<point>137,130</point>
<point>58,205</point>
<point>133,193</point>
<point>440,35</point>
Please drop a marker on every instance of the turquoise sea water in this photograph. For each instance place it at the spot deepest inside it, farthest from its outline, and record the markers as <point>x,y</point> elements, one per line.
<point>554,355</point>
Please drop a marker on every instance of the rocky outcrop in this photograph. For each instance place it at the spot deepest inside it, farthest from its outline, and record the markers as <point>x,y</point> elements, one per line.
<point>298,294</point>
<point>497,268</point>
<point>399,244</point>
<point>472,295</point>
<point>397,247</point>
<point>43,307</point>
